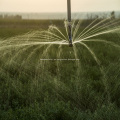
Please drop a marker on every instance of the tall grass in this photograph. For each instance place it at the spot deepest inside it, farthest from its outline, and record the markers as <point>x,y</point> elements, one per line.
<point>54,90</point>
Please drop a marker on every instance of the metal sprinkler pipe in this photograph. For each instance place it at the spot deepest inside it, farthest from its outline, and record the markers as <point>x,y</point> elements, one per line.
<point>69,22</point>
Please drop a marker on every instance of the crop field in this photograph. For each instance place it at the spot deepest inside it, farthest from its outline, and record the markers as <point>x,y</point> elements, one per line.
<point>42,78</point>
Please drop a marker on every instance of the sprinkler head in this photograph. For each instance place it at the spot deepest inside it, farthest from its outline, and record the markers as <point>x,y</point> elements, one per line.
<point>70,45</point>
<point>70,35</point>
<point>70,42</point>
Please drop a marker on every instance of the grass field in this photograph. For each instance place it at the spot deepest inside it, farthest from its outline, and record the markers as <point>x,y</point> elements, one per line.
<point>84,89</point>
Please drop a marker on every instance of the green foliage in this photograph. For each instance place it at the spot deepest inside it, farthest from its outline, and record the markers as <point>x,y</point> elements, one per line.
<point>31,89</point>
<point>58,110</point>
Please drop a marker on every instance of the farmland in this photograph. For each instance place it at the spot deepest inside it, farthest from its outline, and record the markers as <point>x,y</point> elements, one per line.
<point>84,89</point>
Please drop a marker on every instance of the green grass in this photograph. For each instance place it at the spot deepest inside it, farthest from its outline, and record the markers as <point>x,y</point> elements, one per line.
<point>10,28</point>
<point>31,91</point>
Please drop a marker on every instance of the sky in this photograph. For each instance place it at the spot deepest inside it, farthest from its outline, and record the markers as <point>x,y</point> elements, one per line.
<point>58,5</point>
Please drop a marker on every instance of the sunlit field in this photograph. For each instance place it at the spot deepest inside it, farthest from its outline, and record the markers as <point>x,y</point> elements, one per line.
<point>42,78</point>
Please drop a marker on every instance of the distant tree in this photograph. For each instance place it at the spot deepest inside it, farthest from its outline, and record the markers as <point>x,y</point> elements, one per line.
<point>112,15</point>
<point>13,17</point>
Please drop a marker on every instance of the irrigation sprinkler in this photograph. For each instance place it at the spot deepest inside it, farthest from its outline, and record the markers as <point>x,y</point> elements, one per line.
<point>69,22</point>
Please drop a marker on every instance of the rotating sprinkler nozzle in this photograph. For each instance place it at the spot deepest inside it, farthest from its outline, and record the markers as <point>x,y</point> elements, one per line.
<point>69,22</point>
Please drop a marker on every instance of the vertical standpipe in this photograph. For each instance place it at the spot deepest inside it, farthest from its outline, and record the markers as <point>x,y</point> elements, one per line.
<point>69,22</point>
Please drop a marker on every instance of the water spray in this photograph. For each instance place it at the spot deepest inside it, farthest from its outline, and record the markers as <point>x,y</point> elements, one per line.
<point>69,22</point>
